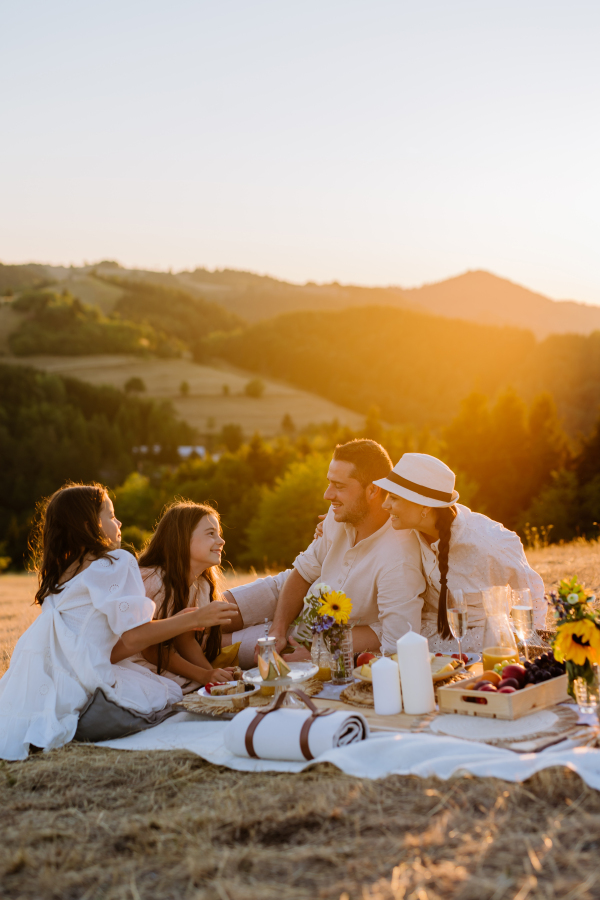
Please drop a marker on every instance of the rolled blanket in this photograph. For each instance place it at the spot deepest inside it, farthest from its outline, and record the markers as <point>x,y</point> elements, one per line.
<point>292,734</point>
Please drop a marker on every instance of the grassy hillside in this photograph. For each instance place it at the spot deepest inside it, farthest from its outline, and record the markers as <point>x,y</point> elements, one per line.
<point>415,368</point>
<point>206,407</point>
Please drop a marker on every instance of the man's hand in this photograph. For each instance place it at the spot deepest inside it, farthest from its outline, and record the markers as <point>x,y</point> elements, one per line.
<point>282,642</point>
<point>300,653</point>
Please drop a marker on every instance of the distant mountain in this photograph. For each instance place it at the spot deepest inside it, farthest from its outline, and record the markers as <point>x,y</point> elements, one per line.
<point>474,296</point>
<point>486,298</point>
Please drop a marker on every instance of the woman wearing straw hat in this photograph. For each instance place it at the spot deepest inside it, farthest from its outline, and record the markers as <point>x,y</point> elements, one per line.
<point>460,549</point>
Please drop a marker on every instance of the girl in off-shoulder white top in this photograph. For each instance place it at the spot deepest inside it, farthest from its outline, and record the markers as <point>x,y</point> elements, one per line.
<point>181,571</point>
<point>94,615</point>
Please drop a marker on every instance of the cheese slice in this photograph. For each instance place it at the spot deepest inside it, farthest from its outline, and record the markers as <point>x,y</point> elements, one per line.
<point>443,664</point>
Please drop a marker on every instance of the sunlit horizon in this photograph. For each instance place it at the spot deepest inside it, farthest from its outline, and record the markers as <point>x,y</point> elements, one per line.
<point>371,144</point>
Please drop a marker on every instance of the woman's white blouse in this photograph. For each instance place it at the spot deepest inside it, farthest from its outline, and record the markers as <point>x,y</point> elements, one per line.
<point>483,553</point>
<point>64,656</point>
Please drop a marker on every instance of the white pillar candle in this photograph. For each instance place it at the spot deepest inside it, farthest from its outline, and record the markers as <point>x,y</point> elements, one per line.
<point>386,687</point>
<point>415,674</point>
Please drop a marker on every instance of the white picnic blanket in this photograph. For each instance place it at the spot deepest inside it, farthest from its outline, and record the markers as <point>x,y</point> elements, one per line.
<point>380,755</point>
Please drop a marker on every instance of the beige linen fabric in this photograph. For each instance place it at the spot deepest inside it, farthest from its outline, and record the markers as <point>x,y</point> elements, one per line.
<point>199,596</point>
<point>381,574</point>
<point>483,553</point>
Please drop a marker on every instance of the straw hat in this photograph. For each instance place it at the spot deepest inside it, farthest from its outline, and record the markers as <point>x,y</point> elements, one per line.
<point>421,479</point>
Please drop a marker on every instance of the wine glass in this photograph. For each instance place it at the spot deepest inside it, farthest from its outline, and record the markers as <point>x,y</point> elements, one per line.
<point>458,617</point>
<point>522,616</point>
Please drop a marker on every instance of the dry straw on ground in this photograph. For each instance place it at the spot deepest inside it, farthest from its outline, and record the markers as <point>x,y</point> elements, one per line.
<point>83,823</point>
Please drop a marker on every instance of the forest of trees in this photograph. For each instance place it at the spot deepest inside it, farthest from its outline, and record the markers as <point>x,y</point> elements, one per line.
<point>54,429</point>
<point>146,319</point>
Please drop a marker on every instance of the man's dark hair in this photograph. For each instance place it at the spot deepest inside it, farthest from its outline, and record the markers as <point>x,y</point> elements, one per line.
<point>370,459</point>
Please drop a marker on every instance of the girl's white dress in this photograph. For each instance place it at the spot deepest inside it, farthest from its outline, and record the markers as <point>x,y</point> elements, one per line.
<point>64,656</point>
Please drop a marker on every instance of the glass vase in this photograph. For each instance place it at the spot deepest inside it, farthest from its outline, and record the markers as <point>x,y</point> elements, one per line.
<point>342,661</point>
<point>587,693</point>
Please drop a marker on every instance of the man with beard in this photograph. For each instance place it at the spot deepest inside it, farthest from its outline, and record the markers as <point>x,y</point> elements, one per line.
<point>359,553</point>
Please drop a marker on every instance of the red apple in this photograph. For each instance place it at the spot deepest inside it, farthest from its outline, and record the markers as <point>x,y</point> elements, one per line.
<point>507,689</point>
<point>514,671</point>
<point>479,685</point>
<point>490,688</point>
<point>364,658</point>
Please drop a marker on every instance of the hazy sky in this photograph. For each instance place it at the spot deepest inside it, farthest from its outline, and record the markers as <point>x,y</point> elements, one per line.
<point>370,142</point>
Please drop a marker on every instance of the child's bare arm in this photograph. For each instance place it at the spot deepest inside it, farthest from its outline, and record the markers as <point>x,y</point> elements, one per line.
<point>188,647</point>
<point>180,666</point>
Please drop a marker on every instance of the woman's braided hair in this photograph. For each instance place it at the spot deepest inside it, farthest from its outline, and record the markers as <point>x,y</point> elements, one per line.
<point>444,519</point>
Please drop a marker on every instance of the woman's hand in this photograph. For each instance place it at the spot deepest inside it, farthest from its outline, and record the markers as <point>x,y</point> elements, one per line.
<point>218,613</point>
<point>319,528</point>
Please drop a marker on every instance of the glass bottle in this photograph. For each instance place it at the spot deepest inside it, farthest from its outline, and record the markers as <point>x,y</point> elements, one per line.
<point>267,663</point>
<point>498,636</point>
<point>321,657</point>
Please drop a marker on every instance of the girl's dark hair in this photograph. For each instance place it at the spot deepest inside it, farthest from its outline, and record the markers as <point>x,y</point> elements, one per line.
<point>67,530</point>
<point>443,522</point>
<point>169,553</point>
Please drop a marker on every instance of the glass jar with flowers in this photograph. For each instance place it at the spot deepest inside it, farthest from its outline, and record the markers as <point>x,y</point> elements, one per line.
<point>324,620</point>
<point>577,641</point>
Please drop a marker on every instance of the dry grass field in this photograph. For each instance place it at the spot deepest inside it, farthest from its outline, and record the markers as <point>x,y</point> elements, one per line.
<point>83,823</point>
<point>206,406</point>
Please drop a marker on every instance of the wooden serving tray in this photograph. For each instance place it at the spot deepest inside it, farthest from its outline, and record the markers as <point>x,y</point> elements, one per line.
<point>454,699</point>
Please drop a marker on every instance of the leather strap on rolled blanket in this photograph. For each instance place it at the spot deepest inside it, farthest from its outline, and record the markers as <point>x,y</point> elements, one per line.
<point>316,713</point>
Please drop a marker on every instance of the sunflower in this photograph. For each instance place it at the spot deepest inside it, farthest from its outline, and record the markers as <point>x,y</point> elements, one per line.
<point>337,605</point>
<point>578,641</point>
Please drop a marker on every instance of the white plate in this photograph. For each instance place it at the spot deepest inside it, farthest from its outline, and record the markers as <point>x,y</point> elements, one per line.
<point>299,672</point>
<point>435,678</point>
<point>225,698</point>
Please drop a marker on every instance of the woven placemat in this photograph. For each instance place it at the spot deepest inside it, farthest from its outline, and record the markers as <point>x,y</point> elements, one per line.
<point>361,693</point>
<point>544,723</point>
<point>194,704</point>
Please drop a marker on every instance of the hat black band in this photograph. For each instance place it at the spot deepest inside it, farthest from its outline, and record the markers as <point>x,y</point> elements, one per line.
<point>418,488</point>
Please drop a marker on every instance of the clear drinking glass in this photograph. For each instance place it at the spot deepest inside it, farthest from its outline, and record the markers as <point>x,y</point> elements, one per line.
<point>522,615</point>
<point>458,617</point>
<point>587,695</point>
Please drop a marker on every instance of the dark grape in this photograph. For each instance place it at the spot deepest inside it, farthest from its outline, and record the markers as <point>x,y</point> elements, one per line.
<point>556,671</point>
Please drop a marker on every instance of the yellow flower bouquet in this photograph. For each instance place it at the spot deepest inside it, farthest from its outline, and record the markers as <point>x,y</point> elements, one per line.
<point>327,612</point>
<point>577,641</point>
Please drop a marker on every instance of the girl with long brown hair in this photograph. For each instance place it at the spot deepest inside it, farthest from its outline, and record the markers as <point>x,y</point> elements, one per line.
<point>94,614</point>
<point>460,549</point>
<point>181,570</point>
